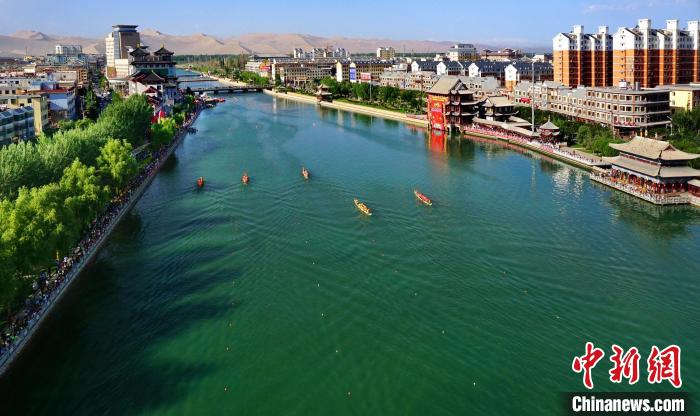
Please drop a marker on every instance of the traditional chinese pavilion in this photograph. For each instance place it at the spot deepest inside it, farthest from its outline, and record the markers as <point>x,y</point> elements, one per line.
<point>451,105</point>
<point>652,166</point>
<point>548,131</point>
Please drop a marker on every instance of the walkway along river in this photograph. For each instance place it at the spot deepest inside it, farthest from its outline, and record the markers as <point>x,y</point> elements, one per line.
<point>280,297</point>
<point>113,218</point>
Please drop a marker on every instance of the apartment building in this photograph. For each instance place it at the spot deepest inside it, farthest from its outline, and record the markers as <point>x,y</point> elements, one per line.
<point>424,65</point>
<point>581,58</point>
<point>16,124</point>
<point>636,55</point>
<point>483,68</point>
<point>654,57</point>
<point>385,52</point>
<point>418,81</point>
<point>523,71</point>
<point>38,101</point>
<point>462,52</point>
<point>352,70</point>
<point>503,55</point>
<point>627,110</point>
<point>299,72</point>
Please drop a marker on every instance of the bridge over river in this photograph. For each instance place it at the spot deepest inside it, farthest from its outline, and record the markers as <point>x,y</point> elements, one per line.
<point>202,84</point>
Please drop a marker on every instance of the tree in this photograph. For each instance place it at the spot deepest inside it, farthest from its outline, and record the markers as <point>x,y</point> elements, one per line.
<point>92,105</point>
<point>128,119</point>
<point>163,132</point>
<point>116,163</point>
<point>84,195</point>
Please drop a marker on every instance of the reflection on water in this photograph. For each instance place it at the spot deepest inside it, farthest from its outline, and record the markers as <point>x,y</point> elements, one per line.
<point>664,222</point>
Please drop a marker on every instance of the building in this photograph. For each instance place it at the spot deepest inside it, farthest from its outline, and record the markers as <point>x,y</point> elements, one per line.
<point>316,53</point>
<point>38,101</point>
<point>482,86</point>
<point>583,59</point>
<point>654,57</point>
<point>462,52</point>
<point>523,71</point>
<point>504,55</point>
<point>16,124</point>
<point>497,108</point>
<point>685,97</point>
<point>418,81</point>
<point>428,65</point>
<point>651,169</point>
<point>353,70</point>
<point>259,67</point>
<point>69,50</point>
<point>453,67</point>
<point>153,71</point>
<point>118,42</point>
<point>488,69</point>
<point>543,57</point>
<point>451,105</point>
<point>385,52</point>
<point>300,72</point>
<point>627,111</point>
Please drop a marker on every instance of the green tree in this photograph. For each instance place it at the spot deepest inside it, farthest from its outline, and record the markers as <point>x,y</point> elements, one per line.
<point>92,105</point>
<point>128,119</point>
<point>163,132</point>
<point>84,194</point>
<point>116,163</point>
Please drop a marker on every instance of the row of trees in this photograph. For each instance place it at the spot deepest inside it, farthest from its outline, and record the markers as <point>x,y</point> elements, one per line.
<point>592,137</point>
<point>51,190</point>
<point>218,65</point>
<point>684,133</point>
<point>32,164</point>
<point>390,97</point>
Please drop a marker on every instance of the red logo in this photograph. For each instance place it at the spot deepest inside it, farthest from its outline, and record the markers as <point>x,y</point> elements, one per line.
<point>665,365</point>
<point>661,365</point>
<point>586,363</point>
<point>625,365</point>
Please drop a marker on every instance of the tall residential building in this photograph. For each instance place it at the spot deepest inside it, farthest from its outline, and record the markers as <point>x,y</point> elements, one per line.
<point>117,43</point>
<point>386,52</point>
<point>654,57</point>
<point>462,52</point>
<point>582,58</point>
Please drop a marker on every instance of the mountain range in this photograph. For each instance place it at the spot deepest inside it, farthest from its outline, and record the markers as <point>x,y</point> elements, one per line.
<point>38,43</point>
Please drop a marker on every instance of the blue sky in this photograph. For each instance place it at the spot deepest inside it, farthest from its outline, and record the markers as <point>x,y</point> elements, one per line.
<point>502,21</point>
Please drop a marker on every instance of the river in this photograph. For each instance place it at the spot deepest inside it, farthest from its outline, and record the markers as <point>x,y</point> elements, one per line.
<point>281,298</point>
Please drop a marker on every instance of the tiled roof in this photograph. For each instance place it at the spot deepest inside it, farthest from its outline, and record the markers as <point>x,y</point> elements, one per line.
<point>653,149</point>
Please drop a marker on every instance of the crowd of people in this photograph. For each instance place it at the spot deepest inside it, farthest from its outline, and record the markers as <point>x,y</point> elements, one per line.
<point>651,193</point>
<point>545,146</point>
<point>51,282</point>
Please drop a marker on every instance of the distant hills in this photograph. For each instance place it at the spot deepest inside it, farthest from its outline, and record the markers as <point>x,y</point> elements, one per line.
<point>38,43</point>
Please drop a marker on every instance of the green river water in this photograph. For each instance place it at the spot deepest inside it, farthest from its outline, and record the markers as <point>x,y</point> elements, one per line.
<point>281,298</point>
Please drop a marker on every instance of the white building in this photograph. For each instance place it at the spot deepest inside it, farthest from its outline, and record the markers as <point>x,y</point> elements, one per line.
<point>117,44</point>
<point>71,50</point>
<point>462,52</point>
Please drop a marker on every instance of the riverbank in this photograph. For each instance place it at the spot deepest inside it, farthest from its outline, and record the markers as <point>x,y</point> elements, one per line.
<point>22,338</point>
<point>353,108</point>
<point>392,115</point>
